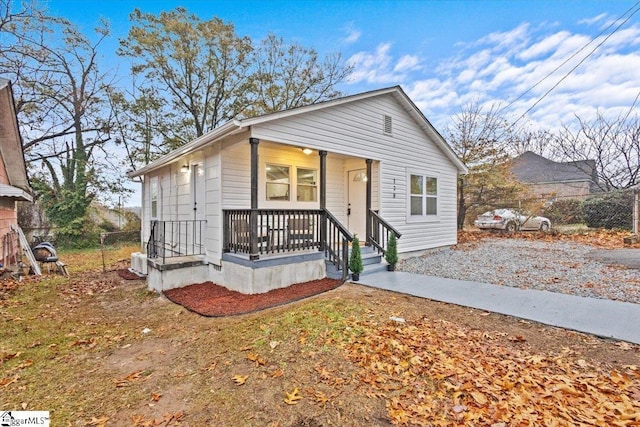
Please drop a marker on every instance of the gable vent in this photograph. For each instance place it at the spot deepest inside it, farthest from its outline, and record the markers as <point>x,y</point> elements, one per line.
<point>387,124</point>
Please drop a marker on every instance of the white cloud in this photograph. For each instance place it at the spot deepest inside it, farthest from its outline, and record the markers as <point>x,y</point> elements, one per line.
<point>595,19</point>
<point>381,67</point>
<point>523,64</point>
<point>516,69</point>
<point>352,34</point>
<point>546,45</point>
<point>407,63</point>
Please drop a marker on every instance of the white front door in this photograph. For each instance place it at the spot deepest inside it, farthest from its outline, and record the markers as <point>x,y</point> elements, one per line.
<point>357,203</point>
<point>197,191</point>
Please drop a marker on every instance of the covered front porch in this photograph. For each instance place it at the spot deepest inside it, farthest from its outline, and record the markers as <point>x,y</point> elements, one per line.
<point>276,236</point>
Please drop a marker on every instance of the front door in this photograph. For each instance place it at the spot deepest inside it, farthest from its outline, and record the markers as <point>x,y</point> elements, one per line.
<point>357,203</point>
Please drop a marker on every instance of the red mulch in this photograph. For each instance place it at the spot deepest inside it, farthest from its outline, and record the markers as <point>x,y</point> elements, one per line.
<point>127,275</point>
<point>211,300</point>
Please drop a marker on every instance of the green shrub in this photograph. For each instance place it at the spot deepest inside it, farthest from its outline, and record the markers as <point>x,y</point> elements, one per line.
<point>355,259</point>
<point>391,254</point>
<point>611,210</point>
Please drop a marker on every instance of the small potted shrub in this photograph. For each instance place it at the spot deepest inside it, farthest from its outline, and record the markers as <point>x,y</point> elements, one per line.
<point>355,259</point>
<point>391,254</point>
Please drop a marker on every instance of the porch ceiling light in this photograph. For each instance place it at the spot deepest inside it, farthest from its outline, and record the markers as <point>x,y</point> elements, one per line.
<point>360,176</point>
<point>184,168</point>
<point>307,151</point>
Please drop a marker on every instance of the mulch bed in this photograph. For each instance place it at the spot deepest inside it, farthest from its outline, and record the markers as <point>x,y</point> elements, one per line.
<point>128,275</point>
<point>211,300</point>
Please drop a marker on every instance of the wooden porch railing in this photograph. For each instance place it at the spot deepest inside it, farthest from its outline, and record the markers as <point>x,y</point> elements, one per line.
<point>259,232</point>
<point>380,231</point>
<point>175,238</point>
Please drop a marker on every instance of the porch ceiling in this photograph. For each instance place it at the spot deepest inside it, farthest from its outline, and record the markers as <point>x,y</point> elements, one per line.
<point>296,149</point>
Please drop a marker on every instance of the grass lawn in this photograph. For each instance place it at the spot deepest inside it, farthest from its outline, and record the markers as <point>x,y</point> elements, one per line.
<point>97,350</point>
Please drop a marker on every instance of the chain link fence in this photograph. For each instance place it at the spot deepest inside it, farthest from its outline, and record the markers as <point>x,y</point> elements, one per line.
<point>609,210</point>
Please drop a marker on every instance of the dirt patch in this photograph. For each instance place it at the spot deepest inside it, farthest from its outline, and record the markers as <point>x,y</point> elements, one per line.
<point>141,356</point>
<point>211,300</point>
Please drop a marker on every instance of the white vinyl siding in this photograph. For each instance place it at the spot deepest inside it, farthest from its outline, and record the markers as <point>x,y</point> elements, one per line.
<point>350,133</point>
<point>353,129</point>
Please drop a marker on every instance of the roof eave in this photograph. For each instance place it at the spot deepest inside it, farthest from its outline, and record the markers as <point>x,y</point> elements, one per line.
<point>226,129</point>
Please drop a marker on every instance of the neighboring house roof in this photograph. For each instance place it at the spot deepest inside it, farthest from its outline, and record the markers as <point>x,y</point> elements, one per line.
<point>238,125</point>
<point>11,147</point>
<point>532,168</point>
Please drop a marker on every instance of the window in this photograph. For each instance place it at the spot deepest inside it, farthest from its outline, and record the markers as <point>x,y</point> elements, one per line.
<point>424,195</point>
<point>153,192</point>
<point>278,182</point>
<point>307,189</point>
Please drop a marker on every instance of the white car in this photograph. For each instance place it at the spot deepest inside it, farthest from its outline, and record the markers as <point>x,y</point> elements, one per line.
<point>510,221</point>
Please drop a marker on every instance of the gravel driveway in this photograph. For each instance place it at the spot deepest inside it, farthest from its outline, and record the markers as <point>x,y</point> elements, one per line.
<point>564,267</point>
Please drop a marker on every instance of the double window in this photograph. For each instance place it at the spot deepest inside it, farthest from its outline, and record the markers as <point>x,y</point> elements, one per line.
<point>279,182</point>
<point>424,195</point>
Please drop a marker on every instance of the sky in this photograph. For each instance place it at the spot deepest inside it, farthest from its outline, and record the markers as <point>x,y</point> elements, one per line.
<point>544,62</point>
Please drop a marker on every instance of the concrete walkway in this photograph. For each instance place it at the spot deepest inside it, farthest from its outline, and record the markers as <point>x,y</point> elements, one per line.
<point>604,318</point>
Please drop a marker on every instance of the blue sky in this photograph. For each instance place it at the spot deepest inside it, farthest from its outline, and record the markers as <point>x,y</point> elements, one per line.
<point>444,54</point>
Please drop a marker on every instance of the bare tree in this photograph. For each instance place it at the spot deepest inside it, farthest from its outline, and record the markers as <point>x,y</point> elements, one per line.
<point>198,74</point>
<point>200,67</point>
<point>289,76</point>
<point>482,139</point>
<point>614,145</point>
<point>61,108</point>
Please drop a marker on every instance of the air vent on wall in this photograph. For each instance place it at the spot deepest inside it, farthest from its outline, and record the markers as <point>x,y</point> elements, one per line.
<point>387,124</point>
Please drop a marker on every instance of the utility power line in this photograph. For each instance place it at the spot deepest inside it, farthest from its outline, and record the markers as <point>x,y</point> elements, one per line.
<point>632,13</point>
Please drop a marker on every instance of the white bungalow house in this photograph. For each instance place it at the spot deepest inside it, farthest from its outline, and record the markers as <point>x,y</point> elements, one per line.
<point>265,202</point>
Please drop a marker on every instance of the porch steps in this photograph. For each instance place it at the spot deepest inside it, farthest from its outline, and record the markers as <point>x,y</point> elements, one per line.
<point>371,261</point>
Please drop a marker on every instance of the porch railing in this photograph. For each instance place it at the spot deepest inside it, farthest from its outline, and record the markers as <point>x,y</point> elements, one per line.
<point>271,231</point>
<point>175,238</point>
<point>336,249</point>
<point>380,231</point>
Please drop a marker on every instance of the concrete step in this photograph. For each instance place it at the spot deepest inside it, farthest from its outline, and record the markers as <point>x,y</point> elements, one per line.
<point>374,268</point>
<point>372,262</point>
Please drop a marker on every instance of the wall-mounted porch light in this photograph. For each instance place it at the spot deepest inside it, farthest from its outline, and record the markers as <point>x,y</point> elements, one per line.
<point>360,176</point>
<point>184,168</point>
<point>307,151</point>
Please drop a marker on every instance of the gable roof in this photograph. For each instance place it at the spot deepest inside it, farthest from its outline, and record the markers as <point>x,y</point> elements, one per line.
<point>237,125</point>
<point>11,147</point>
<point>532,168</point>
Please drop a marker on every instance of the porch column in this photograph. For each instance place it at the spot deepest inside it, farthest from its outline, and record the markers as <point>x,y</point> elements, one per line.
<point>368,214</point>
<point>253,217</point>
<point>323,198</point>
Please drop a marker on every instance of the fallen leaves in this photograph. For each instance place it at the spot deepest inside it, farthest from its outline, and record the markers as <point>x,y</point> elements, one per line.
<point>132,377</point>
<point>292,398</point>
<point>168,419</point>
<point>442,374</point>
<point>240,379</point>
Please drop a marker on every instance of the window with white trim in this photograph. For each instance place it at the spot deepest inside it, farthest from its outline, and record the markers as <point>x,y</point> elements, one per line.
<point>278,182</point>
<point>424,195</point>
<point>153,193</point>
<point>307,185</point>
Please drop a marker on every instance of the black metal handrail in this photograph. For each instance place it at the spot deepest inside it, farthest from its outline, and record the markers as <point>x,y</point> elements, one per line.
<point>380,231</point>
<point>169,239</point>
